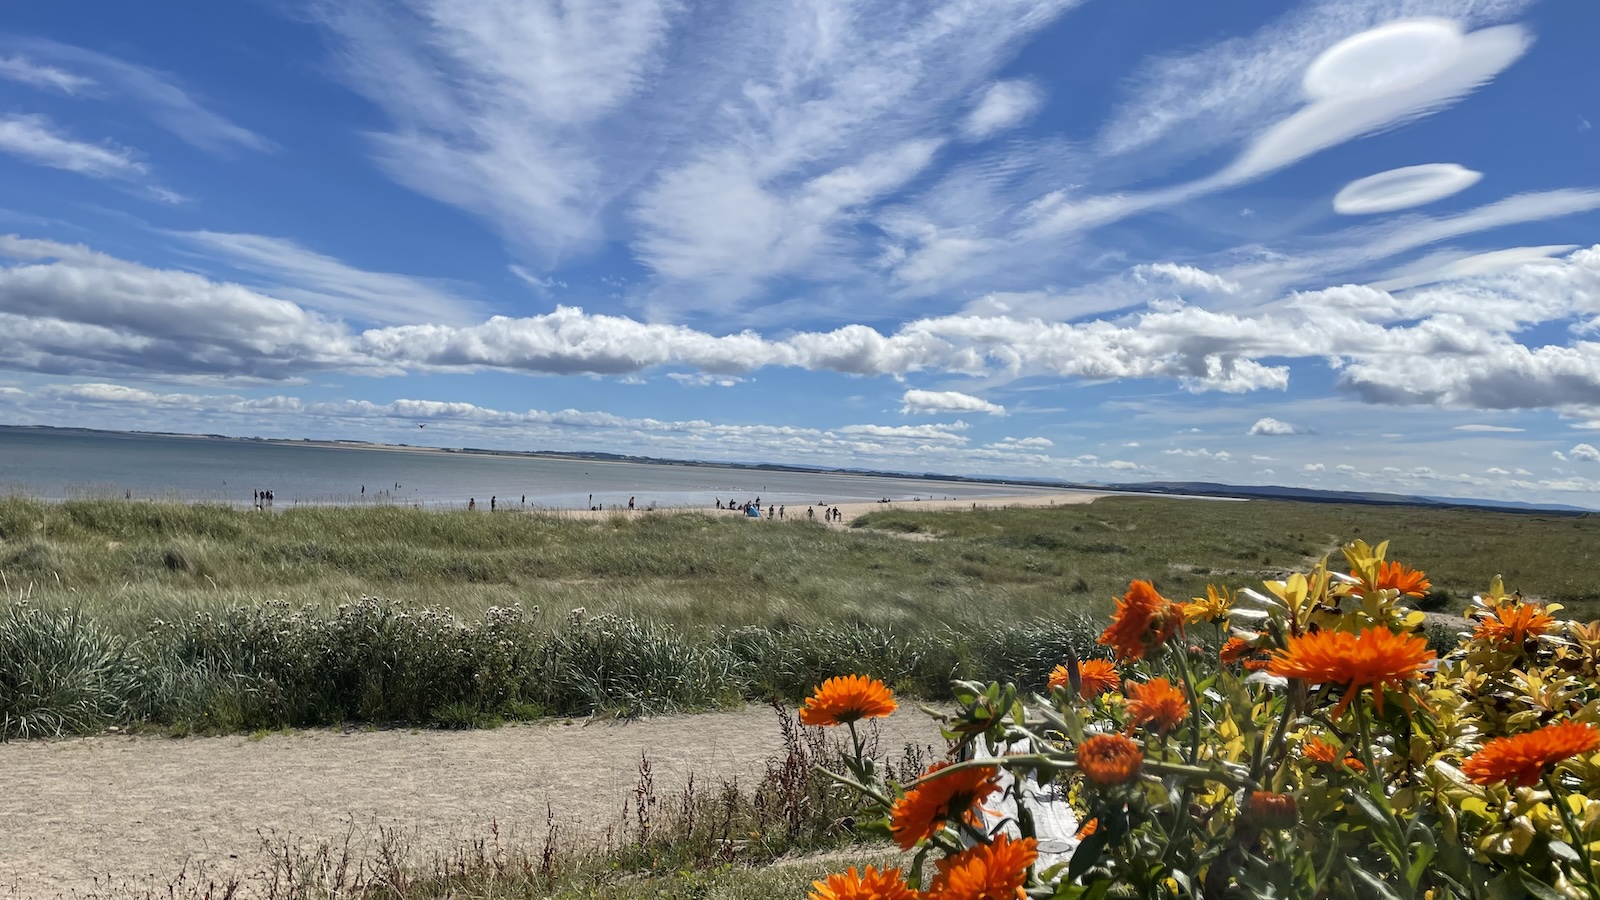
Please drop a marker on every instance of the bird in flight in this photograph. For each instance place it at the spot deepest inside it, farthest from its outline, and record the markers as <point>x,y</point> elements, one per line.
<point>422,425</point>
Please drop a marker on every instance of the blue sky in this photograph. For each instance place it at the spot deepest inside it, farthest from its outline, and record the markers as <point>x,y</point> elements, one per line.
<point>1331,244</point>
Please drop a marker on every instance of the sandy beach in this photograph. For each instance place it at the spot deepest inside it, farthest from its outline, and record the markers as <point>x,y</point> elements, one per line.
<point>849,511</point>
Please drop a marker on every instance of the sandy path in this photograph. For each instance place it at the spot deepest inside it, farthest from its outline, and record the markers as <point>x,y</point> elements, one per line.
<point>137,807</point>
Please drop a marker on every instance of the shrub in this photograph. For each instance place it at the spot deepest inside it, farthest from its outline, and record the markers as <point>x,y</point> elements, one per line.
<point>59,673</point>
<point>1326,752</point>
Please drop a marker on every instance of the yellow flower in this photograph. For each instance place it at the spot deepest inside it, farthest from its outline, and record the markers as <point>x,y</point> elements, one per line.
<point>1213,607</point>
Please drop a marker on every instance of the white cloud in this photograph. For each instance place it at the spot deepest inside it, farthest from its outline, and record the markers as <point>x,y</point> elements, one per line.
<point>1585,453</point>
<point>1271,427</point>
<point>1314,467</point>
<point>37,140</point>
<point>1027,442</point>
<point>1220,92</point>
<point>1453,266</point>
<point>167,104</point>
<point>69,308</point>
<point>1559,455</point>
<point>1188,276</point>
<point>1004,105</point>
<point>1489,428</point>
<point>1371,81</point>
<point>1496,470</point>
<point>25,71</point>
<point>1380,78</point>
<point>938,432</point>
<point>557,123</point>
<point>1403,188</point>
<point>325,284</point>
<point>704,379</point>
<point>920,402</point>
<point>1200,453</point>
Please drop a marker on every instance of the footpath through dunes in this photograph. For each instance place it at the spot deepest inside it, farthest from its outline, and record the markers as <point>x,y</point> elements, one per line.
<point>138,809</point>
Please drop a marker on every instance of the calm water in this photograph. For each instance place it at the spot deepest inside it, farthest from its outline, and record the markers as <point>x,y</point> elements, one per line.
<point>58,466</point>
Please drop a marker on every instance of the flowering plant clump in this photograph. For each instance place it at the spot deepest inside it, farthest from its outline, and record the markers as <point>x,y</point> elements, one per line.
<point>1319,749</point>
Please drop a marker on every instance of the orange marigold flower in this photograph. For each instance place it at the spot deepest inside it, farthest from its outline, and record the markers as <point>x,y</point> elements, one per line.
<point>1233,649</point>
<point>1272,810</point>
<point>868,885</point>
<point>994,871</point>
<point>1108,759</point>
<point>1521,759</point>
<point>1320,751</point>
<point>923,810</point>
<point>1375,658</point>
<point>847,699</point>
<point>1144,621</point>
<point>1398,577</point>
<point>1089,827</point>
<point>1513,623</point>
<point>1095,677</point>
<point>1157,703</point>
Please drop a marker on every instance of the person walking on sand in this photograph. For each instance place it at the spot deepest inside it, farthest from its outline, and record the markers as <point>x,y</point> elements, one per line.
<point>630,504</point>
<point>811,513</point>
<point>493,503</point>
<point>772,511</point>
<point>472,504</point>
<point>780,514</point>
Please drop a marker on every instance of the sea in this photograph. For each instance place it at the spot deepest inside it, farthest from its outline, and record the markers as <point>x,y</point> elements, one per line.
<point>68,464</point>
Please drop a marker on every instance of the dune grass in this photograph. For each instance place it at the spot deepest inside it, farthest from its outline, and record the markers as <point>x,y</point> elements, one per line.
<point>215,618</point>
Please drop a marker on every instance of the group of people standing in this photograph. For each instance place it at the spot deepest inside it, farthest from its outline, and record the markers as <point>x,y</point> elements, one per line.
<point>262,499</point>
<point>752,508</point>
<point>830,514</point>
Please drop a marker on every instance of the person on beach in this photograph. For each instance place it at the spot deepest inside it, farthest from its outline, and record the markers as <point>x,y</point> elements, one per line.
<point>493,503</point>
<point>811,513</point>
<point>472,504</point>
<point>630,504</point>
<point>780,514</point>
<point>771,511</point>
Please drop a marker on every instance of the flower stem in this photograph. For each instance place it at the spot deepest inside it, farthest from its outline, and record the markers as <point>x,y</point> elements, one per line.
<point>1581,845</point>
<point>1376,789</point>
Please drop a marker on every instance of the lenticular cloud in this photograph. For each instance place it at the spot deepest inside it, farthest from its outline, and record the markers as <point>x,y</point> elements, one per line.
<point>1403,188</point>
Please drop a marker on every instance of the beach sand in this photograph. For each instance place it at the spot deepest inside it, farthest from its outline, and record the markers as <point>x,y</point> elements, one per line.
<point>849,511</point>
<point>141,808</point>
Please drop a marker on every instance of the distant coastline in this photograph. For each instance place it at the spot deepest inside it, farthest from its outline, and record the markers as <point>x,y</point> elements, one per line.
<point>1154,488</point>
